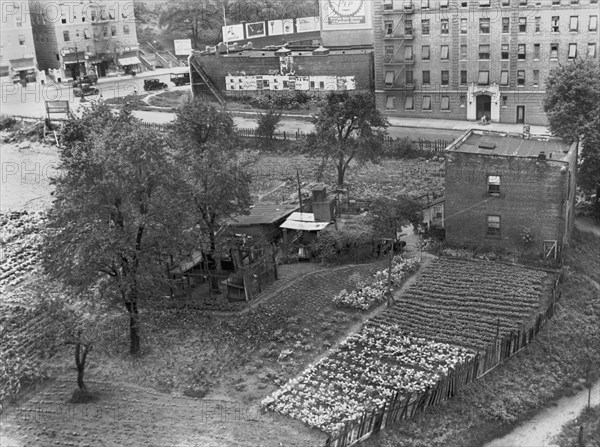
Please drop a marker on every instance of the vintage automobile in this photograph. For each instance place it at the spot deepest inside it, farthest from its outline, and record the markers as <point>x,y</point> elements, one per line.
<point>180,79</point>
<point>85,90</point>
<point>154,84</point>
<point>89,79</point>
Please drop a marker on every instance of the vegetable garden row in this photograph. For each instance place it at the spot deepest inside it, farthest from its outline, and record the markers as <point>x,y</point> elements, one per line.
<point>20,245</point>
<point>457,321</point>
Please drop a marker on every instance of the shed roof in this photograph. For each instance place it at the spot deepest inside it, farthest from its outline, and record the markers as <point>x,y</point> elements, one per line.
<point>498,143</point>
<point>264,215</point>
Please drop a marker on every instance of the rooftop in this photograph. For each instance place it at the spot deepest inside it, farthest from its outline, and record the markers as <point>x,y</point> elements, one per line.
<point>271,53</point>
<point>264,215</point>
<point>508,144</point>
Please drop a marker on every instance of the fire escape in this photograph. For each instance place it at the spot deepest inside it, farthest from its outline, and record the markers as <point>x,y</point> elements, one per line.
<point>398,33</point>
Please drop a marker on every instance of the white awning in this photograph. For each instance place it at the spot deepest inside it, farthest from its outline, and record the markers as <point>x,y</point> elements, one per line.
<point>304,226</point>
<point>302,217</point>
<point>129,61</point>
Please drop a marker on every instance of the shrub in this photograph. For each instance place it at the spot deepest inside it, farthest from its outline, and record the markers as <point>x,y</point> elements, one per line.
<point>7,121</point>
<point>268,123</point>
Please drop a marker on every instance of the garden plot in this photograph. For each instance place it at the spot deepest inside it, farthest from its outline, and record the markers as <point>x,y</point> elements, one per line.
<point>365,181</point>
<point>20,246</point>
<point>466,302</point>
<point>362,373</point>
<point>449,313</point>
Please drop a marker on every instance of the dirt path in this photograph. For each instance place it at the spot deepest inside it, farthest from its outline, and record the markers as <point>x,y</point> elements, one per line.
<point>587,224</point>
<point>539,431</point>
<point>128,414</point>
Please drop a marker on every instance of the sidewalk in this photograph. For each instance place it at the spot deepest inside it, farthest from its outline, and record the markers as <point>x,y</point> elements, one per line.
<point>463,125</point>
<point>145,74</point>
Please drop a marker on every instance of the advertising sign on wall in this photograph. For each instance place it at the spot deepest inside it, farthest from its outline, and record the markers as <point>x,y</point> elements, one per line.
<point>275,27</point>
<point>183,47</point>
<point>304,24</point>
<point>288,26</point>
<point>256,29</point>
<point>345,14</point>
<point>274,82</point>
<point>232,33</point>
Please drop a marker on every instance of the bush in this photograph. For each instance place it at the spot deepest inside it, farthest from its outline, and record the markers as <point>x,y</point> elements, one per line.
<point>354,240</point>
<point>7,122</point>
<point>268,123</point>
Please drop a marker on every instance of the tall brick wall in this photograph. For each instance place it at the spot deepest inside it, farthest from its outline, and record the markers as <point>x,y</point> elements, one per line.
<point>533,195</point>
<point>355,64</point>
<point>528,95</point>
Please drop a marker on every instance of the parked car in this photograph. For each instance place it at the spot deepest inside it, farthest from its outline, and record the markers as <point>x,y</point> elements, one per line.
<point>85,90</point>
<point>154,84</point>
<point>180,79</point>
<point>89,79</point>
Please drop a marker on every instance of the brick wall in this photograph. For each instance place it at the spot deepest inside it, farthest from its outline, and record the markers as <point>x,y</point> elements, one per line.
<point>533,194</point>
<point>355,64</point>
<point>459,60</point>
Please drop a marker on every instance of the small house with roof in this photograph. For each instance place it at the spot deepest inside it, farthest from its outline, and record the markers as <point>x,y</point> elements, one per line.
<point>513,191</point>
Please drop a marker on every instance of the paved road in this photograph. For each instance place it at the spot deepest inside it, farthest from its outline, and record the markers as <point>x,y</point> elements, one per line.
<point>291,125</point>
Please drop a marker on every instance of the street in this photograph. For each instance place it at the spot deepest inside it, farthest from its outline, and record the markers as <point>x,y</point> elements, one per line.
<point>30,101</point>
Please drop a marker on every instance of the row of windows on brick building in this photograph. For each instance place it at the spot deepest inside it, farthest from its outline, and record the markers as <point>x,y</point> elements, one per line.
<point>485,52</point>
<point>442,4</point>
<point>427,102</point>
<point>483,78</point>
<point>86,33</point>
<point>485,25</point>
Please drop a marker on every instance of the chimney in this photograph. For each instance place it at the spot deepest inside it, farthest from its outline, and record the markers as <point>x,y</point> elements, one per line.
<point>323,208</point>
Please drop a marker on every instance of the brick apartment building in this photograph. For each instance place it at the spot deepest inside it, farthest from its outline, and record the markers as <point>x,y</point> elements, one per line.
<point>80,37</point>
<point>17,51</point>
<point>468,58</point>
<point>497,185</point>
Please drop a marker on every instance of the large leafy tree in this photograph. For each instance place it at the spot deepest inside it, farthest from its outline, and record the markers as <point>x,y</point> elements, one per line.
<point>116,213</point>
<point>348,127</point>
<point>572,104</point>
<point>216,175</point>
<point>192,19</point>
<point>202,21</point>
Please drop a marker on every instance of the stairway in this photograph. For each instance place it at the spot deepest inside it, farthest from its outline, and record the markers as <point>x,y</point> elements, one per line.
<point>209,83</point>
<point>147,61</point>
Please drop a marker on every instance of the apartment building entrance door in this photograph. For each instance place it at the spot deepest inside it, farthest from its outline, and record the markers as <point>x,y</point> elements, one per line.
<point>484,106</point>
<point>520,114</point>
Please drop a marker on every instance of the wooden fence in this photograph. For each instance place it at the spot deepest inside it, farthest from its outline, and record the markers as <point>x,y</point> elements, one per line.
<point>406,406</point>
<point>391,143</point>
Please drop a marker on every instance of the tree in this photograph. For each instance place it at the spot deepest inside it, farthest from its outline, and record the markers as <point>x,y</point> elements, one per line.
<point>348,127</point>
<point>268,123</point>
<point>216,177</point>
<point>389,216</point>
<point>572,104</point>
<point>192,18</point>
<point>116,213</point>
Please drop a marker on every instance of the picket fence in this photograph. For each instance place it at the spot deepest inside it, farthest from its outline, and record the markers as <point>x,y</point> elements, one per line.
<point>406,406</point>
<point>246,132</point>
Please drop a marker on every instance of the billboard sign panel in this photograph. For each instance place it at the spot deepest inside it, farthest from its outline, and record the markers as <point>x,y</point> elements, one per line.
<point>233,33</point>
<point>304,24</point>
<point>256,29</point>
<point>183,47</point>
<point>346,14</point>
<point>275,27</point>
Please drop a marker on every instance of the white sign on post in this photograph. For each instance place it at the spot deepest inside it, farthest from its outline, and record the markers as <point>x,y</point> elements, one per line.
<point>183,47</point>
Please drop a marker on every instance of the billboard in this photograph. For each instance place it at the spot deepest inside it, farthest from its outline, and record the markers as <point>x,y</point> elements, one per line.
<point>304,24</point>
<point>183,47</point>
<point>232,33</point>
<point>275,27</point>
<point>345,14</point>
<point>256,29</point>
